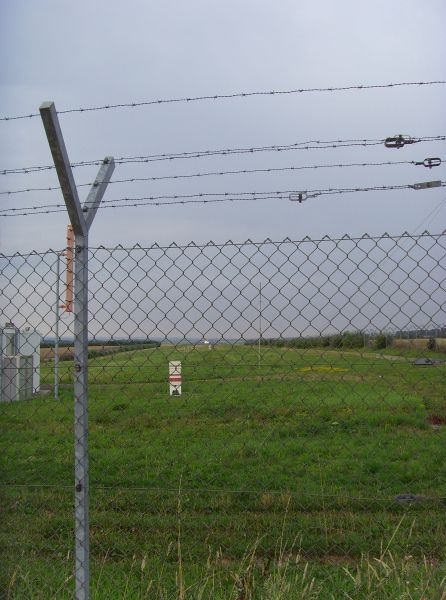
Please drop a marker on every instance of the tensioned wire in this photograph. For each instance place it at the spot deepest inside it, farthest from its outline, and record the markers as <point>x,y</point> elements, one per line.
<point>248,94</point>
<point>202,198</point>
<point>222,173</point>
<point>307,145</point>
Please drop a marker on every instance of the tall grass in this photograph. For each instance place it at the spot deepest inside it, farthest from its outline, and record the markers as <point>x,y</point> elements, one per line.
<point>285,575</point>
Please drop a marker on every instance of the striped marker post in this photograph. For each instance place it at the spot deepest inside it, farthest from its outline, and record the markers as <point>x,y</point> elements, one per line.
<point>175,378</point>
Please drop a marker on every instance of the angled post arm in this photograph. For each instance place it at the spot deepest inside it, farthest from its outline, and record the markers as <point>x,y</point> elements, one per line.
<point>63,167</point>
<point>97,190</point>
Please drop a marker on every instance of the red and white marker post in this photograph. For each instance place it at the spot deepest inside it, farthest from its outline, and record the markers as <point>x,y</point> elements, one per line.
<point>175,378</point>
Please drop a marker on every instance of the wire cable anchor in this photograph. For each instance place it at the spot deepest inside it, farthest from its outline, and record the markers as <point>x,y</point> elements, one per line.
<point>429,162</point>
<point>298,197</point>
<point>301,196</point>
<point>426,185</point>
<point>398,141</point>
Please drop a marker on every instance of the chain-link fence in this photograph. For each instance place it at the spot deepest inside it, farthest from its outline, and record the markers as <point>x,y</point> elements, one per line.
<point>254,409</point>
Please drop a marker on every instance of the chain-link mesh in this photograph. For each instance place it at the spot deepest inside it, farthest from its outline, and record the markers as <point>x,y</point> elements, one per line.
<point>299,432</point>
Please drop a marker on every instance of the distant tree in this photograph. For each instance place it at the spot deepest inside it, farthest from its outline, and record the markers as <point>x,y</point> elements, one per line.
<point>381,341</point>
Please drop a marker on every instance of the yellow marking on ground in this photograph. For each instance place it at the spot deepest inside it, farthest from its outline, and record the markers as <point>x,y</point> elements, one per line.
<point>323,369</point>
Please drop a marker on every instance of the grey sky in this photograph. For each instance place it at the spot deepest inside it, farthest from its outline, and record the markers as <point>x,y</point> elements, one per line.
<point>88,53</point>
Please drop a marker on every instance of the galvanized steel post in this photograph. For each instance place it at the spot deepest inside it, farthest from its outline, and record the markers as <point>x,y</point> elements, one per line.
<point>81,218</point>
<point>56,330</point>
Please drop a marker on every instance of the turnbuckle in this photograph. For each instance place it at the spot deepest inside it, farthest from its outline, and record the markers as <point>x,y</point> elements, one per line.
<point>398,141</point>
<point>429,162</point>
<point>298,197</point>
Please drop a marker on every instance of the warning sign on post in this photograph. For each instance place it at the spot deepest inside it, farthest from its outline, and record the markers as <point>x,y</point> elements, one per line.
<point>175,378</point>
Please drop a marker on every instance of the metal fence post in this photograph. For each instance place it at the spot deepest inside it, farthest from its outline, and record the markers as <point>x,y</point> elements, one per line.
<point>81,416</point>
<point>81,217</point>
<point>56,330</point>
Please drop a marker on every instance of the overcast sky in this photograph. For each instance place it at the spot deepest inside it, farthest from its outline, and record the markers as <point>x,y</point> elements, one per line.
<point>94,53</point>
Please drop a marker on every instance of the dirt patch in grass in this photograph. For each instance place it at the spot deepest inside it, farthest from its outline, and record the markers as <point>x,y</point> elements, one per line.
<point>67,352</point>
<point>437,420</point>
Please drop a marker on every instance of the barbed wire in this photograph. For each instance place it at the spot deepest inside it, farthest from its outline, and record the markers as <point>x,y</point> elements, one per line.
<point>159,197</point>
<point>190,99</point>
<point>220,173</point>
<point>308,145</point>
<point>193,154</point>
<point>203,198</point>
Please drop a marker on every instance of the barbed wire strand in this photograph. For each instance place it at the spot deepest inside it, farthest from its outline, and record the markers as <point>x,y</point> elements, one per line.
<point>191,154</point>
<point>309,145</point>
<point>220,173</point>
<point>188,100</point>
<point>131,200</point>
<point>159,197</point>
<point>202,198</point>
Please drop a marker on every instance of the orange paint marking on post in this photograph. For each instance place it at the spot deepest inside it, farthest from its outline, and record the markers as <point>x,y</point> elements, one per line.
<point>69,253</point>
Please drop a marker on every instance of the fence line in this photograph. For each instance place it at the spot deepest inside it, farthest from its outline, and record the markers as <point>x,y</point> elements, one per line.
<point>298,397</point>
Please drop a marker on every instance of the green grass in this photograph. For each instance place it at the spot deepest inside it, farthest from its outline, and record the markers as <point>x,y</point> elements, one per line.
<point>308,448</point>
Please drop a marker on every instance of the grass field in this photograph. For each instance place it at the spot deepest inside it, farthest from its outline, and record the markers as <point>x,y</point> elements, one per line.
<point>271,477</point>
